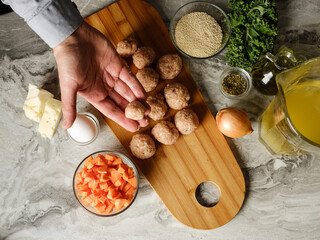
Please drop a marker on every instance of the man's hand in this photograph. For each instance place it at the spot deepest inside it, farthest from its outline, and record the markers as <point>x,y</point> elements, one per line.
<point>89,65</point>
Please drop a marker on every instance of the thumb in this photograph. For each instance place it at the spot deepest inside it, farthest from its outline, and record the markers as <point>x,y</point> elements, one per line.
<point>69,103</point>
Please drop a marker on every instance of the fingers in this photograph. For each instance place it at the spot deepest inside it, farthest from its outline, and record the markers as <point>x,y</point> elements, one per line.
<point>110,110</point>
<point>117,98</point>
<point>119,86</point>
<point>123,89</point>
<point>69,103</point>
<point>143,122</point>
<point>132,83</point>
<point>122,103</point>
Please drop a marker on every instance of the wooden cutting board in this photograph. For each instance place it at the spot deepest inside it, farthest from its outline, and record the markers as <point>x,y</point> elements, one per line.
<point>176,171</point>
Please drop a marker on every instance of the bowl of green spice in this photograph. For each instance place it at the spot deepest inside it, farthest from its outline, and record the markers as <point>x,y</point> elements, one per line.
<point>235,83</point>
<point>200,30</point>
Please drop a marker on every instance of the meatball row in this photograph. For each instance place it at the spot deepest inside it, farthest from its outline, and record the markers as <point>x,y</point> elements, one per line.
<point>175,94</point>
<point>142,145</point>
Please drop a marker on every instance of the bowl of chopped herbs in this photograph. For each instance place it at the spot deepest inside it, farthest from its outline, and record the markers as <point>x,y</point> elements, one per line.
<point>235,83</point>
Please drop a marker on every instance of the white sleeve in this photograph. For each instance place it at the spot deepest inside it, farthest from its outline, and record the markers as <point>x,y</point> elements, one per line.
<point>52,20</point>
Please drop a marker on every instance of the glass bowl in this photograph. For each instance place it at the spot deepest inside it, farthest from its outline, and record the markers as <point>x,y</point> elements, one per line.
<point>214,11</point>
<point>125,160</point>
<point>240,72</point>
<point>95,121</point>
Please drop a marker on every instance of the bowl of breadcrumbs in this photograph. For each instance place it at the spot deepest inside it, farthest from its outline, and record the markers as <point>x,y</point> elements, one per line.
<point>200,30</point>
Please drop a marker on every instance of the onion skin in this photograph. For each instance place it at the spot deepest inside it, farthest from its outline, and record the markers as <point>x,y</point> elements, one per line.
<point>233,122</point>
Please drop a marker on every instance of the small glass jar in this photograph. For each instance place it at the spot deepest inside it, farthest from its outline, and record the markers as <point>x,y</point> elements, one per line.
<point>238,71</point>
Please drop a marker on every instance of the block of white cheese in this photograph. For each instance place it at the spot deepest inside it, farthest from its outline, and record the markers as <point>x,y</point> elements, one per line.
<point>50,118</point>
<point>35,102</point>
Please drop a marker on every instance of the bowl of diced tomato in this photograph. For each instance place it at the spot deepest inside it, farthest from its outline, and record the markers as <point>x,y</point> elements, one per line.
<point>106,183</point>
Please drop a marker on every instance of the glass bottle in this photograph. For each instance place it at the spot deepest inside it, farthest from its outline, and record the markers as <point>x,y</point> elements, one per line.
<point>268,66</point>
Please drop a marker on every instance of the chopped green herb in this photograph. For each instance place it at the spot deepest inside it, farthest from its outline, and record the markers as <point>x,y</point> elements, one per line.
<point>254,30</point>
<point>234,84</point>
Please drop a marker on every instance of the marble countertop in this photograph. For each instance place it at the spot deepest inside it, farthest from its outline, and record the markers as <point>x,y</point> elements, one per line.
<point>36,197</point>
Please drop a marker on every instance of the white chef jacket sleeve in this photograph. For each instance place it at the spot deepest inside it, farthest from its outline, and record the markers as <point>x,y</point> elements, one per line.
<point>52,20</point>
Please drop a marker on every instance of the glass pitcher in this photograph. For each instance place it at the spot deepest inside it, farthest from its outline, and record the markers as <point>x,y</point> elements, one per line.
<point>291,123</point>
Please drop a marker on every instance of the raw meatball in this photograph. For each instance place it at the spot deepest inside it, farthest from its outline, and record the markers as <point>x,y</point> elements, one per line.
<point>186,121</point>
<point>158,107</point>
<point>165,132</point>
<point>127,47</point>
<point>148,78</point>
<point>169,66</point>
<point>135,110</point>
<point>177,95</point>
<point>142,146</point>
<point>143,57</point>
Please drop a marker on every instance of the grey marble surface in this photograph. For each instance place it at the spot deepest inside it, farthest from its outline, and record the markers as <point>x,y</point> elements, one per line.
<point>36,197</point>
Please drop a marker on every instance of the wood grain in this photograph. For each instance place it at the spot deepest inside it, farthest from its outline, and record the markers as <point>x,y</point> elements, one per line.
<point>175,171</point>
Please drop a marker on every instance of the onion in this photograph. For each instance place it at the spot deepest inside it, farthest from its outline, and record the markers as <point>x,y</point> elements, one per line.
<point>233,122</point>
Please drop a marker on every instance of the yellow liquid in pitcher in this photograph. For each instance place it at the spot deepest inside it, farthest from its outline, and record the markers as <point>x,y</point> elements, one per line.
<point>303,105</point>
<point>269,134</point>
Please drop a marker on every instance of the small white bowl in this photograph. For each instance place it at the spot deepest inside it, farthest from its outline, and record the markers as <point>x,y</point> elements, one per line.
<point>96,125</point>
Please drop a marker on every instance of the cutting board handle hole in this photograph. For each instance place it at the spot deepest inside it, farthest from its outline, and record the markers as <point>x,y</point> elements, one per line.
<point>207,194</point>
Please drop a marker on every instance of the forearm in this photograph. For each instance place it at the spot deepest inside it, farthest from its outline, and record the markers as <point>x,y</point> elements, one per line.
<point>52,20</point>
